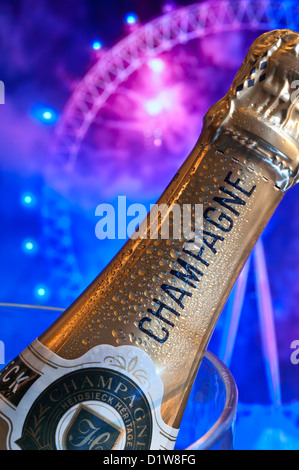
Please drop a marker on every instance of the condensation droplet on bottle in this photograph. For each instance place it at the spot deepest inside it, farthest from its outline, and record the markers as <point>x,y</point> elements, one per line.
<point>119,335</point>
<point>131,295</point>
<point>132,337</point>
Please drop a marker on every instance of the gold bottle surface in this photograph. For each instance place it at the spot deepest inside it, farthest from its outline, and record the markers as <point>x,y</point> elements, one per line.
<point>115,370</point>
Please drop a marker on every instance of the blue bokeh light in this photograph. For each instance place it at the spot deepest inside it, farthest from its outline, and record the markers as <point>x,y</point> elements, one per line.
<point>131,18</point>
<point>41,292</point>
<point>29,246</point>
<point>45,114</point>
<point>28,199</point>
<point>97,45</point>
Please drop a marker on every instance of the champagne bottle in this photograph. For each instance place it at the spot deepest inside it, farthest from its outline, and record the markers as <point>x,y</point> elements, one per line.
<point>115,370</point>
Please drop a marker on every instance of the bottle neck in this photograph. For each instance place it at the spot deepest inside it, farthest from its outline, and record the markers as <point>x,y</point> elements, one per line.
<point>164,295</point>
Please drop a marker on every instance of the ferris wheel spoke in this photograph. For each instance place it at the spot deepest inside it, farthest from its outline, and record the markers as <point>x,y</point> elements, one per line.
<point>267,326</point>
<point>232,321</point>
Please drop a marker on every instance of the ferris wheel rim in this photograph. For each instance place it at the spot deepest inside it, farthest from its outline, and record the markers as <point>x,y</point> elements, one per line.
<point>157,36</point>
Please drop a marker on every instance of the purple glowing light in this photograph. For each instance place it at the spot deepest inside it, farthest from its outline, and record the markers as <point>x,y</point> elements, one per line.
<point>164,101</point>
<point>157,65</point>
<point>169,6</point>
<point>153,107</point>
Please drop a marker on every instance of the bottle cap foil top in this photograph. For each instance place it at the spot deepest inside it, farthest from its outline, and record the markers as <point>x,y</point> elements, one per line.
<point>261,109</point>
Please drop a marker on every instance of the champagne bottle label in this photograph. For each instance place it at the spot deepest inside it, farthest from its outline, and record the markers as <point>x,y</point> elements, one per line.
<point>107,399</point>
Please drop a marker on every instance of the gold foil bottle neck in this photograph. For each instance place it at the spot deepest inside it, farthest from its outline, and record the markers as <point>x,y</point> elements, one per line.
<point>261,109</point>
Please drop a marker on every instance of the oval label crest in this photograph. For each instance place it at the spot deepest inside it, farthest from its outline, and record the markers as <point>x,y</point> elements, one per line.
<point>109,398</point>
<point>89,409</point>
